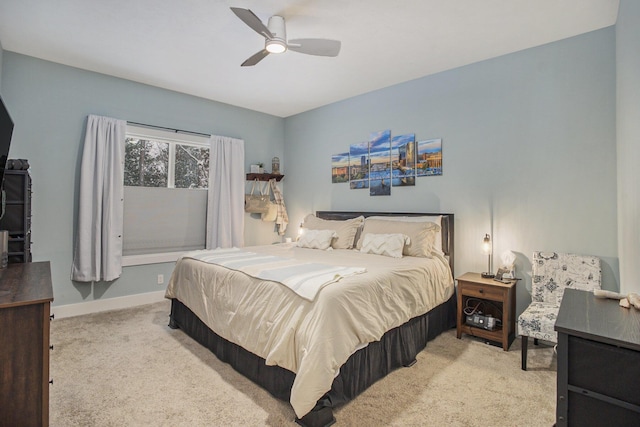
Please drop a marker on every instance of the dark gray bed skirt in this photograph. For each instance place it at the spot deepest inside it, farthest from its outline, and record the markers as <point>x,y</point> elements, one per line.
<point>398,347</point>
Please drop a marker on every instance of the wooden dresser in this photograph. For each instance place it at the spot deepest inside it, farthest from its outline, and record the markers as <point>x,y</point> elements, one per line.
<point>598,362</point>
<point>25,302</point>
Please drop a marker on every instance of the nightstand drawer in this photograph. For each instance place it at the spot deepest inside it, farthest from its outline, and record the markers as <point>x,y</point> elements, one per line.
<point>482,291</point>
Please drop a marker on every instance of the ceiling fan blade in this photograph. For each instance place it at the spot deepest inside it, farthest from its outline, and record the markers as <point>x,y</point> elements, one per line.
<point>319,47</point>
<point>252,21</point>
<point>255,58</point>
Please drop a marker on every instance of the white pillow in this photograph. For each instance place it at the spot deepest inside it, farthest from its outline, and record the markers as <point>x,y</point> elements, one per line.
<point>424,218</point>
<point>316,239</point>
<point>422,234</point>
<point>345,229</point>
<point>384,244</point>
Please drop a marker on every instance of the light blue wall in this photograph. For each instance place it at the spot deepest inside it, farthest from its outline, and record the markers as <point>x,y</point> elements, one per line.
<point>628,142</point>
<point>529,153</point>
<point>528,142</point>
<point>49,104</point>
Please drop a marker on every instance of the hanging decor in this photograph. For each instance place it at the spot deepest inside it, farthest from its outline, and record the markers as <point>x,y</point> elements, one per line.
<point>429,157</point>
<point>403,156</point>
<point>340,168</point>
<point>380,163</point>
<point>385,161</point>
<point>359,165</point>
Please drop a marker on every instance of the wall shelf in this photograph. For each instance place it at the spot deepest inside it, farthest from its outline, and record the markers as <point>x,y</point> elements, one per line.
<point>263,176</point>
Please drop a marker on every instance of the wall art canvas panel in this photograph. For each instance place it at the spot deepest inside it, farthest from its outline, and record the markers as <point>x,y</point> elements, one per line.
<point>359,165</point>
<point>429,157</point>
<point>340,168</point>
<point>403,160</point>
<point>380,157</point>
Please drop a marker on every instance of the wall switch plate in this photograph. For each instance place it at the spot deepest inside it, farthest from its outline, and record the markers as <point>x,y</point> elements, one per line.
<point>160,279</point>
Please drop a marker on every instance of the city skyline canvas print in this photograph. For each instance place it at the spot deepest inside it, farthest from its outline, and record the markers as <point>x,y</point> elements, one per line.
<point>359,165</point>
<point>386,161</point>
<point>340,168</point>
<point>429,157</point>
<point>380,163</point>
<point>403,159</point>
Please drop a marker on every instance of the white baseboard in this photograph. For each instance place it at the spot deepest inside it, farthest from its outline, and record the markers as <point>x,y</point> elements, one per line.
<point>106,304</point>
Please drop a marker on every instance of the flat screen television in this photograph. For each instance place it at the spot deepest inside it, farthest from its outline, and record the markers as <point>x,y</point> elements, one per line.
<point>6,131</point>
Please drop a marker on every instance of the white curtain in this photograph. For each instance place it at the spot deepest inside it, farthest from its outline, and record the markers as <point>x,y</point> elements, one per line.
<point>225,205</point>
<point>98,251</point>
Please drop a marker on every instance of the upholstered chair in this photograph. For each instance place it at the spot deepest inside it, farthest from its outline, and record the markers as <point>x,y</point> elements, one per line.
<point>552,274</point>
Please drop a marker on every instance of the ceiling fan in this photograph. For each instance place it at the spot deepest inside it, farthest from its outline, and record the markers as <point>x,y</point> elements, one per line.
<point>275,37</point>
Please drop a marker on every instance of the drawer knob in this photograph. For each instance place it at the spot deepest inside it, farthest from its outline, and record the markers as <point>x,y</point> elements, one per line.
<point>481,291</point>
<point>561,397</point>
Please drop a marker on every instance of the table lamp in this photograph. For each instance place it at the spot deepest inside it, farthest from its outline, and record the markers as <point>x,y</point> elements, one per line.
<point>486,249</point>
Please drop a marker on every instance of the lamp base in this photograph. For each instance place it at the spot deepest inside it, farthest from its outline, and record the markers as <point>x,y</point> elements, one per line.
<point>487,275</point>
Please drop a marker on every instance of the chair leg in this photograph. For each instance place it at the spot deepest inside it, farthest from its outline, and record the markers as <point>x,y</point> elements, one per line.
<point>535,341</point>
<point>525,341</point>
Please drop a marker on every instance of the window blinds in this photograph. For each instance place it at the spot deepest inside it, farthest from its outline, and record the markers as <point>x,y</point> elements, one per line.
<point>158,220</point>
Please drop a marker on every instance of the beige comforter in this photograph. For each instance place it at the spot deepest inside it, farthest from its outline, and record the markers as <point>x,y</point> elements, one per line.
<point>311,338</point>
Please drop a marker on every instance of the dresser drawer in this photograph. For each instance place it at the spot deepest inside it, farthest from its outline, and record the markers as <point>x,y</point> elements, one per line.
<point>482,291</point>
<point>586,411</point>
<point>605,369</point>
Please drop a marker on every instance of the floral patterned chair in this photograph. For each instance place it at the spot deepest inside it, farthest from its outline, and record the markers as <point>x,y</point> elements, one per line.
<point>552,274</point>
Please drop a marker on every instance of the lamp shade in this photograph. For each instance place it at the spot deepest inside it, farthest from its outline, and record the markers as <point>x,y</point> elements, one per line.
<point>486,245</point>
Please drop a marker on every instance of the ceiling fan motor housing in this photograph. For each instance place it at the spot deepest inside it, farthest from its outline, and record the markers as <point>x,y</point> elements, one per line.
<point>278,43</point>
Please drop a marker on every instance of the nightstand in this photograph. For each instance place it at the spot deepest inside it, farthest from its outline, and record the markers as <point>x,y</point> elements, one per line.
<point>492,298</point>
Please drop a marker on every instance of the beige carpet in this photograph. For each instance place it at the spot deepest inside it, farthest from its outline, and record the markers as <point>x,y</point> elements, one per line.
<point>127,368</point>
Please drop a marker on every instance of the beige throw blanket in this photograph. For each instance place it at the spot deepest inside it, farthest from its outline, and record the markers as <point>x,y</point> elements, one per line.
<point>304,278</point>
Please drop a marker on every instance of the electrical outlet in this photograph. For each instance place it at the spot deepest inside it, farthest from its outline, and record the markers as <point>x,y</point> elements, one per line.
<point>160,279</point>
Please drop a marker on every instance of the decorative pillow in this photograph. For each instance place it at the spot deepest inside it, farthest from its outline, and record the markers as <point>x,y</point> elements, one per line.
<point>421,234</point>
<point>423,218</point>
<point>385,244</point>
<point>346,230</point>
<point>316,239</point>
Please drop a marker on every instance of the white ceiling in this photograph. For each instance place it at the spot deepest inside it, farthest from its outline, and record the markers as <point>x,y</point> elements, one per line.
<point>197,46</point>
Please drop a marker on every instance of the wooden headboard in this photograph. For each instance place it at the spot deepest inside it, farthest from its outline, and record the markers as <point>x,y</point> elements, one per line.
<point>446,223</point>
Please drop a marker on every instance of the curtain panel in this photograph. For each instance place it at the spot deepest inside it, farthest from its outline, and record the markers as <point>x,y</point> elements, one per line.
<point>225,204</point>
<point>98,249</point>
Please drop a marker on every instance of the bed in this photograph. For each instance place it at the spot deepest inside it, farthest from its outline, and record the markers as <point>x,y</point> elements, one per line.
<point>318,349</point>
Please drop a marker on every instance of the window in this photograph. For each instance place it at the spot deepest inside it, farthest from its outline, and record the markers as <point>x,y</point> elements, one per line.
<point>154,162</point>
<point>166,177</point>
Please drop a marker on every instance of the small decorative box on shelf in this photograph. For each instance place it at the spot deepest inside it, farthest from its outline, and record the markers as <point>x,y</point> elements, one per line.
<point>264,176</point>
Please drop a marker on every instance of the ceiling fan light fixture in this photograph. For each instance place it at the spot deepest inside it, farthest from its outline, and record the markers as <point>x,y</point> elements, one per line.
<point>275,46</point>
<point>275,38</point>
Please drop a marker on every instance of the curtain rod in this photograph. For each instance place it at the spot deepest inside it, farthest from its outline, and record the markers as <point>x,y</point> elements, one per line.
<point>170,129</point>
